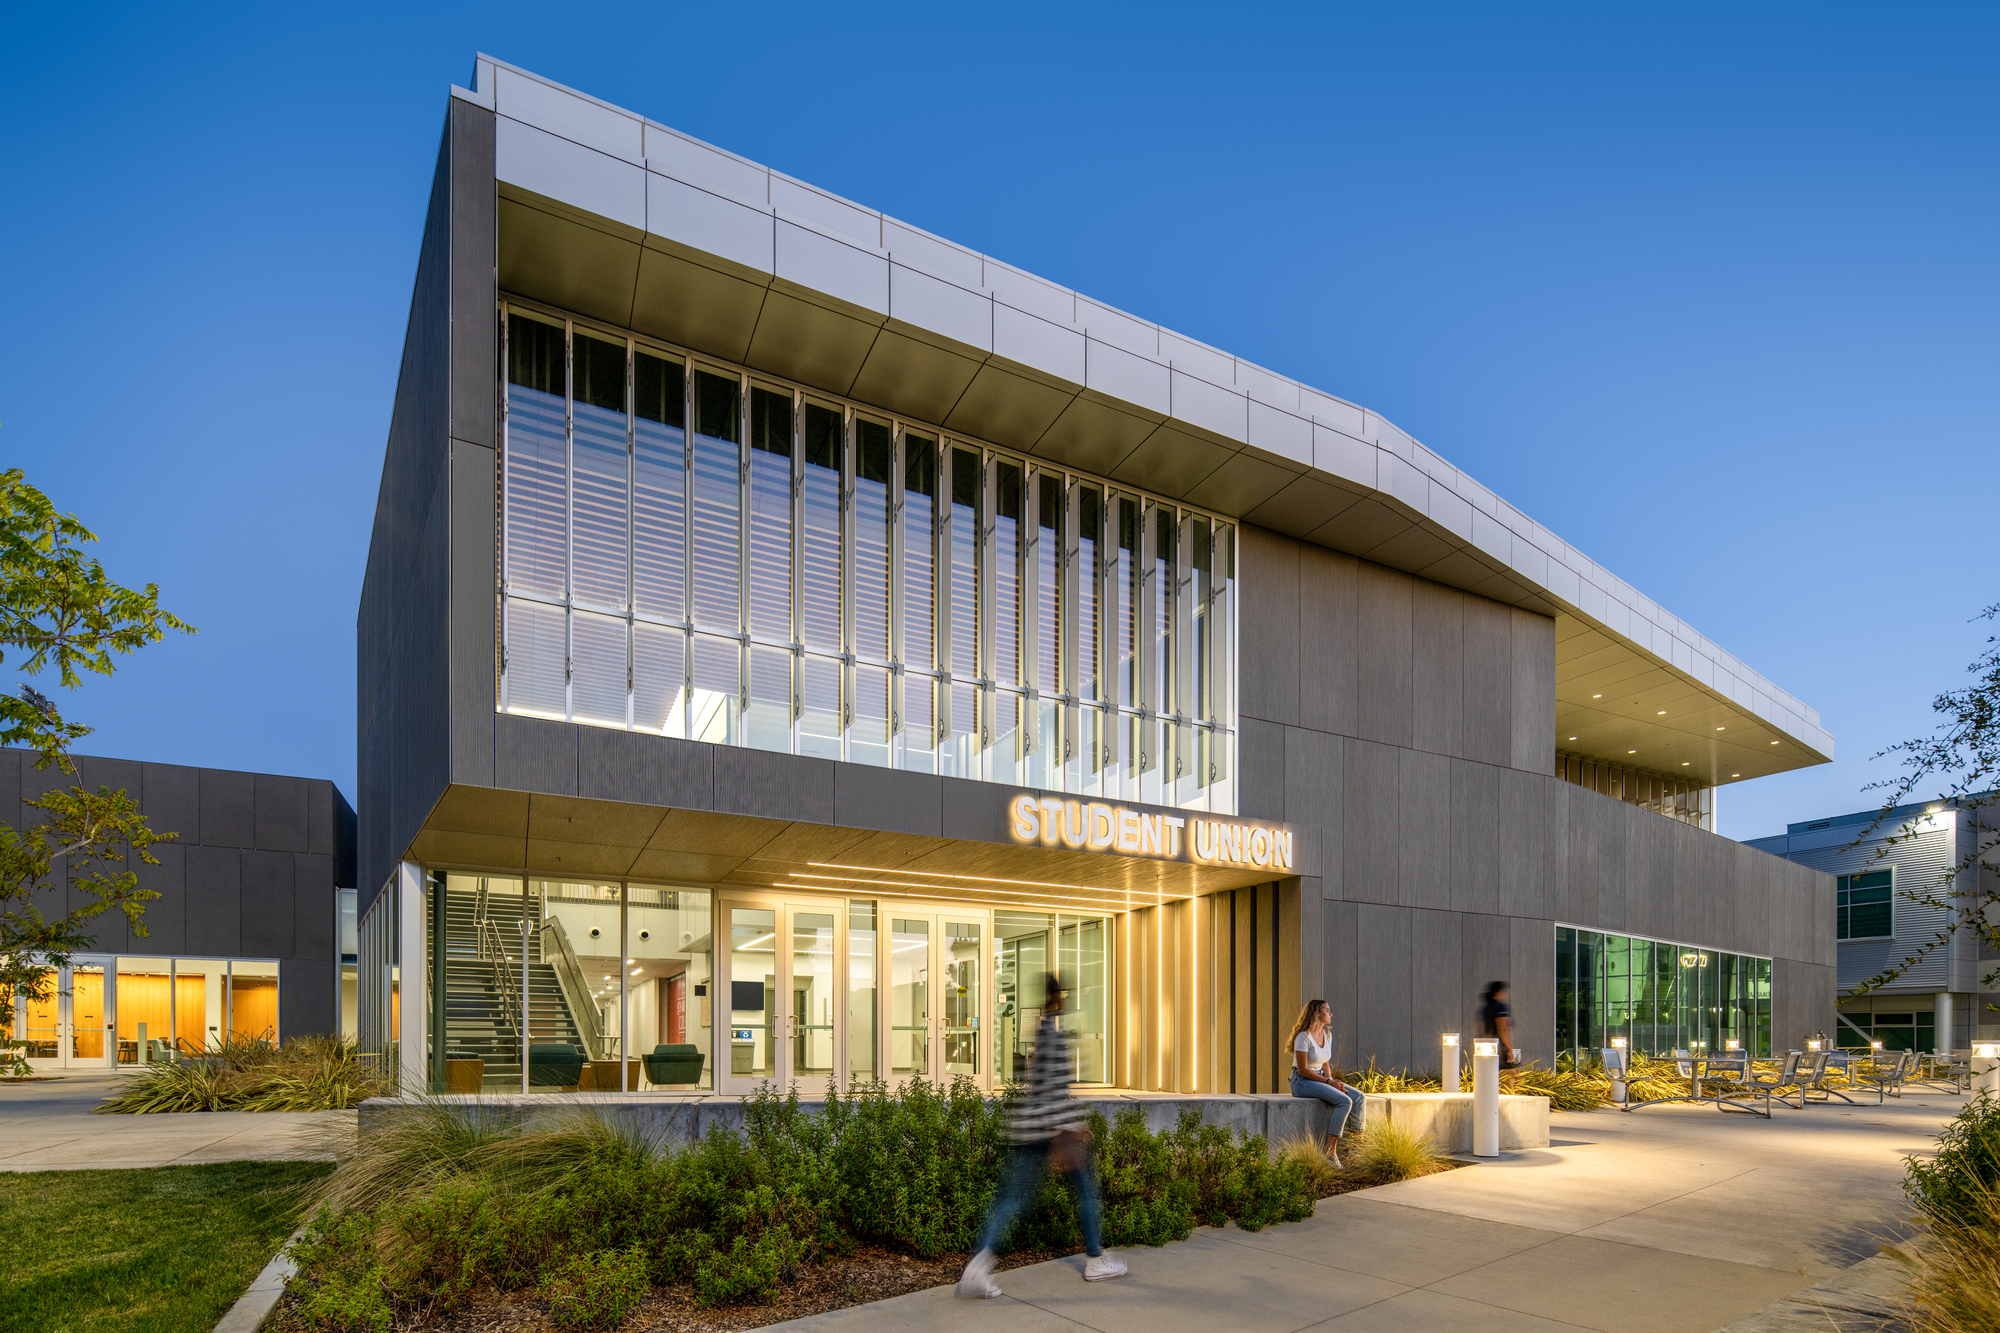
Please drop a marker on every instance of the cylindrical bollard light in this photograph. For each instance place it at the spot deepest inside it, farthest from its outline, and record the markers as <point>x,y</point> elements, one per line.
<point>1486,1097</point>
<point>1450,1065</point>
<point>1624,1068</point>
<point>1986,1067</point>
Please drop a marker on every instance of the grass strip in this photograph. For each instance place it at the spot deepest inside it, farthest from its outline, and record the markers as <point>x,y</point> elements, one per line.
<point>161,1250</point>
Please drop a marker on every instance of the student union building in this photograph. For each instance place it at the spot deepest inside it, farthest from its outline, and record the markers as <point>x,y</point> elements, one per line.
<point>789,636</point>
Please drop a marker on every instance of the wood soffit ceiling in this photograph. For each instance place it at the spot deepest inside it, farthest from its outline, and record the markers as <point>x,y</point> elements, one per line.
<point>479,828</point>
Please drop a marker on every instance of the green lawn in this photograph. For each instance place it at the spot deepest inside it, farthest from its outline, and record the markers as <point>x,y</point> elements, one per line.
<point>165,1250</point>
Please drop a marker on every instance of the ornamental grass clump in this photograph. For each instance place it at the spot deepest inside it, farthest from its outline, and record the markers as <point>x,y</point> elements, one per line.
<point>1954,1270</point>
<point>1388,1153</point>
<point>315,1073</point>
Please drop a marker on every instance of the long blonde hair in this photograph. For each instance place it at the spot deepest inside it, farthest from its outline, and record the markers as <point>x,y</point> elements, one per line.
<point>1305,1020</point>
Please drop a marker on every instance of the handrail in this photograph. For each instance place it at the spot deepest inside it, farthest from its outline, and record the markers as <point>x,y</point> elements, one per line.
<point>493,945</point>
<point>576,990</point>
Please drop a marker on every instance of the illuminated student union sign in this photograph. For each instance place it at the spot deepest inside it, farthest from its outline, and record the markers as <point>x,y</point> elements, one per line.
<point>1122,830</point>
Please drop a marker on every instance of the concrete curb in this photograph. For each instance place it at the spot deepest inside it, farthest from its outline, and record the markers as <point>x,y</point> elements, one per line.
<point>254,1306</point>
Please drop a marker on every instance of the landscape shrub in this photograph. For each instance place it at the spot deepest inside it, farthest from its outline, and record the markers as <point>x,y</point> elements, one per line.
<point>446,1199</point>
<point>340,1286</point>
<point>1955,1187</point>
<point>314,1073</point>
<point>595,1290</point>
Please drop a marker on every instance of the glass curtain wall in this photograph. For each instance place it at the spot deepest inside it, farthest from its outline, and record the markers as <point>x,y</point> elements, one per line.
<point>690,552</point>
<point>1659,996</point>
<point>1027,946</point>
<point>612,972</point>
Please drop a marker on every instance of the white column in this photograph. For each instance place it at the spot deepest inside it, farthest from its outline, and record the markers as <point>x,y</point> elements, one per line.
<point>412,951</point>
<point>1486,1097</point>
<point>1944,1037</point>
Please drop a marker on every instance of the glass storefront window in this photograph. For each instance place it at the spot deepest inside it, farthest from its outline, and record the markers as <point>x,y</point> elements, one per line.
<point>668,979</point>
<point>145,1010</point>
<point>1660,996</point>
<point>253,1001</point>
<point>909,999</point>
<point>753,950</point>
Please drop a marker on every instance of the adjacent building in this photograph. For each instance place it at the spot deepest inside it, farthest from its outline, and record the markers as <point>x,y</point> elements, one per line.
<point>243,940</point>
<point>790,635</point>
<point>1895,877</point>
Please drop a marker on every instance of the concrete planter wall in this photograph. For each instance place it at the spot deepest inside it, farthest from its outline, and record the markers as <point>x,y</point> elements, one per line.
<point>682,1119</point>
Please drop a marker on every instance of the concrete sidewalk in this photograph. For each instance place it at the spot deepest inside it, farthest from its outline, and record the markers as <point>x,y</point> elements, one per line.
<point>49,1127</point>
<point>1675,1219</point>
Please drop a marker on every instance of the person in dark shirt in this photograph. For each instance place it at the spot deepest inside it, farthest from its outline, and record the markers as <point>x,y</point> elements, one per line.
<point>1046,1133</point>
<point>1496,1019</point>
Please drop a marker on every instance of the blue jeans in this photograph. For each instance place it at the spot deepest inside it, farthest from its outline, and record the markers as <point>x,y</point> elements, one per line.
<point>1021,1180</point>
<point>1340,1104</point>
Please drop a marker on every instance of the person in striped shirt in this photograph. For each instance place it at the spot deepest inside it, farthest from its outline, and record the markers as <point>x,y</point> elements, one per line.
<point>1045,1133</point>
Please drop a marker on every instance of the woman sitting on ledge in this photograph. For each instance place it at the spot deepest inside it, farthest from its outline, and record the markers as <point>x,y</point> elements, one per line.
<point>1312,1073</point>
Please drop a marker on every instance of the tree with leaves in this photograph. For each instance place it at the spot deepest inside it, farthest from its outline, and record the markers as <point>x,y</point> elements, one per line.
<point>60,616</point>
<point>1962,755</point>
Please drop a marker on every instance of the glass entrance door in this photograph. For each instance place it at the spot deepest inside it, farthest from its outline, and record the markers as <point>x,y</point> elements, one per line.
<point>786,1011</point>
<point>937,1020</point>
<point>71,1029</point>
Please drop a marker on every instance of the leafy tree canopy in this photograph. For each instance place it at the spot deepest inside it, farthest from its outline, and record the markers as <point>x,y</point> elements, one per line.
<point>62,616</point>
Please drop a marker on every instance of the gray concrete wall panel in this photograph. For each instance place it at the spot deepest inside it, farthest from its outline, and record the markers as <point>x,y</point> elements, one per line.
<point>228,808</point>
<point>644,770</point>
<point>1385,645</point>
<point>774,786</point>
<point>1329,598</point>
<point>215,901</point>
<point>281,813</point>
<point>268,904</point>
<point>1382,983</point>
<point>533,754</point>
<point>1260,769</point>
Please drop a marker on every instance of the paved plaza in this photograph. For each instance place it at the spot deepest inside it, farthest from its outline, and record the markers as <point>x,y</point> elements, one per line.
<point>1674,1219</point>
<point>49,1127</point>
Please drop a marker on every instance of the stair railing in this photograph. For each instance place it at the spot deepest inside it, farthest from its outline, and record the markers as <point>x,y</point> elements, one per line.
<point>575,986</point>
<point>493,947</point>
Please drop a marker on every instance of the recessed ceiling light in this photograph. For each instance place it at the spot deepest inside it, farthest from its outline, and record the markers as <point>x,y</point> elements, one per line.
<point>1721,728</point>
<point>1774,742</point>
<point>1572,738</point>
<point>1735,775</point>
<point>1685,763</point>
<point>1597,696</point>
<point>1631,752</point>
<point>1663,712</point>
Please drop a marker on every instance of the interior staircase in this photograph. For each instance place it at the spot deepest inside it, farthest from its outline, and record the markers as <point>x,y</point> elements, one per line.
<point>477,1021</point>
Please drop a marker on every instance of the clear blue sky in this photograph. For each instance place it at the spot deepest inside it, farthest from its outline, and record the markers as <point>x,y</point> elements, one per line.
<point>1710,291</point>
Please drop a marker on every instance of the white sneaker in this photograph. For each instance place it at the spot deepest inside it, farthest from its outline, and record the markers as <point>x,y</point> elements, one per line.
<point>1103,1268</point>
<point>977,1283</point>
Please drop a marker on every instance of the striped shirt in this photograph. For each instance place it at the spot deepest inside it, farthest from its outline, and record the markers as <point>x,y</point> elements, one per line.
<point>1045,1107</point>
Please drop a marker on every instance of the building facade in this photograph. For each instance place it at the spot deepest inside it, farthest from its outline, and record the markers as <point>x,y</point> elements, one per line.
<point>791,636</point>
<point>241,942</point>
<point>1885,869</point>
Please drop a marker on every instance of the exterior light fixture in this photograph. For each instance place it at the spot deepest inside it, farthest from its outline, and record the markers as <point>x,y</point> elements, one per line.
<point>1986,1050</point>
<point>1572,738</point>
<point>1774,742</point>
<point>1685,762</point>
<point>1877,1044</point>
<point>1731,1044</point>
<point>1631,752</point>
<point>1663,712</point>
<point>1451,1039</point>
<point>1735,775</point>
<point>1722,728</point>
<point>1812,1043</point>
<point>1597,696</point>
<point>1617,1043</point>
<point>1491,1046</point>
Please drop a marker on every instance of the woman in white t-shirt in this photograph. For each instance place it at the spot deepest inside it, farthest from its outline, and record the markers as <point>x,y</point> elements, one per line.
<point>1312,1074</point>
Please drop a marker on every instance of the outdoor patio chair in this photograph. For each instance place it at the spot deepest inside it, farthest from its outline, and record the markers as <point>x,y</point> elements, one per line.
<point>1887,1080</point>
<point>1814,1070</point>
<point>1782,1084</point>
<point>1945,1073</point>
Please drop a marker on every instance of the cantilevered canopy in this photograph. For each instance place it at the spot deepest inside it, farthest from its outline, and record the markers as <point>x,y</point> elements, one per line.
<point>616,218</point>
<point>480,828</point>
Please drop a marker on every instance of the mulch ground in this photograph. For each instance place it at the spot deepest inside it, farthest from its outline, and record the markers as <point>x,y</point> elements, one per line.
<point>866,1275</point>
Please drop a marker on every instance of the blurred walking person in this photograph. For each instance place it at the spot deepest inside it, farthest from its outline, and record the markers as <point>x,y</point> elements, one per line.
<point>1045,1133</point>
